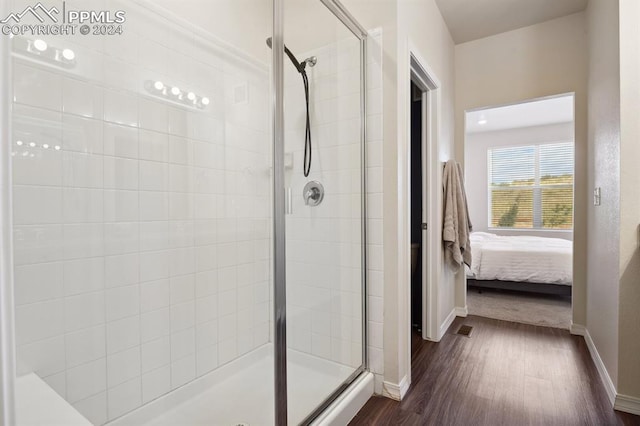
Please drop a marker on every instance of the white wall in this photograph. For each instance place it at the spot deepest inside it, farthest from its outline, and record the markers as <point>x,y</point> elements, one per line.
<point>379,14</point>
<point>242,24</point>
<point>476,169</point>
<point>142,243</point>
<point>613,318</point>
<point>422,30</point>
<point>603,264</point>
<point>629,300</point>
<point>420,24</point>
<point>532,62</point>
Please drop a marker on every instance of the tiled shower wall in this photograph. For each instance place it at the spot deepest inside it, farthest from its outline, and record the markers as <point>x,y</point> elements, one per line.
<point>324,296</point>
<point>375,260</point>
<point>142,228</point>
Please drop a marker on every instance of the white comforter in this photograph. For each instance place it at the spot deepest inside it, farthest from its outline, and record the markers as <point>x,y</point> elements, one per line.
<point>521,258</point>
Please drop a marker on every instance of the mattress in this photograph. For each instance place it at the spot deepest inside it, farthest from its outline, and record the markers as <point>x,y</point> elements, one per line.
<point>521,258</point>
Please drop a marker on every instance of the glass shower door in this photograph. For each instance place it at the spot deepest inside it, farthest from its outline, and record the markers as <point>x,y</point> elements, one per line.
<point>142,210</point>
<point>143,174</point>
<point>324,186</point>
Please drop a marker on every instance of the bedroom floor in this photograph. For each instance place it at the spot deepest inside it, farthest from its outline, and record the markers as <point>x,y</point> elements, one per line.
<point>505,373</point>
<point>526,308</point>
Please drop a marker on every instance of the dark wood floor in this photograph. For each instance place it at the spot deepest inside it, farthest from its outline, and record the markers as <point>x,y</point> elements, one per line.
<point>504,374</point>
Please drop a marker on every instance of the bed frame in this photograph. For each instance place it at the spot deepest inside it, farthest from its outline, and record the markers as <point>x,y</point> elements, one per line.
<point>556,289</point>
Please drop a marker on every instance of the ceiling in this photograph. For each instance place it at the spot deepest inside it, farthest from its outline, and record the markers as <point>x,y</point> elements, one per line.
<point>473,19</point>
<point>536,113</point>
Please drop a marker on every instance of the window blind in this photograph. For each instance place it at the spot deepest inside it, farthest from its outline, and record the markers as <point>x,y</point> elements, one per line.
<point>531,186</point>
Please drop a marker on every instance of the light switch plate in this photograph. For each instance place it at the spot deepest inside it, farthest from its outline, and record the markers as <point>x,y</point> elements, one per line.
<point>596,196</point>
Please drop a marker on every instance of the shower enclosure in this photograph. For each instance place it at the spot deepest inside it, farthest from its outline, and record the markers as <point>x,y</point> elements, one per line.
<point>187,208</point>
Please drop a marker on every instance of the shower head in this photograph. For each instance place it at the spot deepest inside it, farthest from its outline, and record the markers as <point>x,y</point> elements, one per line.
<point>300,66</point>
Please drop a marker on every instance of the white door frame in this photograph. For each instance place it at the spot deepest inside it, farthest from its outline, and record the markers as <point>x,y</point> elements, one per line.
<point>426,81</point>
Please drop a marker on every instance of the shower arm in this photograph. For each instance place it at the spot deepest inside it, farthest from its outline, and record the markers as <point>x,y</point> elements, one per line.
<point>300,66</point>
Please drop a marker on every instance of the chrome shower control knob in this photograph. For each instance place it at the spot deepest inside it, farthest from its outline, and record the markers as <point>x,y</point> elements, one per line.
<point>313,193</point>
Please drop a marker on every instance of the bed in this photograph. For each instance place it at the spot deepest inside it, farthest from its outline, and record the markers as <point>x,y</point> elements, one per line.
<point>534,264</point>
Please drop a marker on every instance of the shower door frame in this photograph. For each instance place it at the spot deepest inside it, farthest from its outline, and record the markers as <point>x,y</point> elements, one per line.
<point>7,331</point>
<point>279,210</point>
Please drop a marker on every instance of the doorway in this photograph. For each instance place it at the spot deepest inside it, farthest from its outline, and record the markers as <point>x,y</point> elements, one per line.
<point>423,178</point>
<point>519,173</point>
<point>416,211</point>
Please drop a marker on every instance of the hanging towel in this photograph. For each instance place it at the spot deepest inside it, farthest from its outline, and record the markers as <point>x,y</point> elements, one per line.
<point>464,196</point>
<point>456,225</point>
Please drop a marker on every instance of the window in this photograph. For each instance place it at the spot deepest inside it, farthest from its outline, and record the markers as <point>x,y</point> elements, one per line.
<point>531,186</point>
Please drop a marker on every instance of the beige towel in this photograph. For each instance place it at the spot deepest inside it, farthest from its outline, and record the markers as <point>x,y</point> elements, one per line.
<point>464,195</point>
<point>456,226</point>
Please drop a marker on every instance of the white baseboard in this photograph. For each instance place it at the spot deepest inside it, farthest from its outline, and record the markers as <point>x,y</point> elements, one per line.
<point>446,324</point>
<point>628,404</point>
<point>462,311</point>
<point>395,391</point>
<point>602,370</point>
<point>577,329</point>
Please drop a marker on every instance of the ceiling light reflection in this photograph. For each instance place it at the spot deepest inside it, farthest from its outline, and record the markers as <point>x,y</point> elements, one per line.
<point>40,45</point>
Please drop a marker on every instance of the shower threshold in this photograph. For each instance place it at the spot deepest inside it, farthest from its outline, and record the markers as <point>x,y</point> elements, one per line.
<point>241,392</point>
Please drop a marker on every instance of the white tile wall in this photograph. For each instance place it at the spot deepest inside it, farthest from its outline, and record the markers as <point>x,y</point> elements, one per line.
<point>375,265</point>
<point>323,243</point>
<point>142,252</point>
